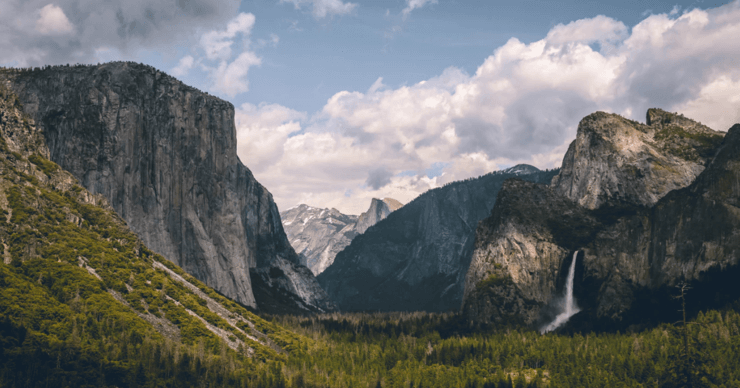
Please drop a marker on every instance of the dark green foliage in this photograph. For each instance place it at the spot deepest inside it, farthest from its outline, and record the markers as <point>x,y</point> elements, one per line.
<point>397,349</point>
<point>76,284</point>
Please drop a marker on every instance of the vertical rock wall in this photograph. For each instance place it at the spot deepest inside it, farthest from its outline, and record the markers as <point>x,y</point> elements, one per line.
<point>164,154</point>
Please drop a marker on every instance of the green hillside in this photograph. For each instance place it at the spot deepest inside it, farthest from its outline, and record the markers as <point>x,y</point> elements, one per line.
<point>84,303</point>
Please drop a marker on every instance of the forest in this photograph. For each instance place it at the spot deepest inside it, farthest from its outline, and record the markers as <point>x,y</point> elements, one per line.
<point>80,293</point>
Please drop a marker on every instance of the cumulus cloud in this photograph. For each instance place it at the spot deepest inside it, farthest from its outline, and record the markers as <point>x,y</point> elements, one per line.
<point>231,78</point>
<point>215,55</point>
<point>184,66</point>
<point>53,21</point>
<point>414,4</point>
<point>216,52</point>
<point>36,32</point>
<point>217,43</point>
<point>522,104</point>
<point>324,8</point>
<point>378,178</point>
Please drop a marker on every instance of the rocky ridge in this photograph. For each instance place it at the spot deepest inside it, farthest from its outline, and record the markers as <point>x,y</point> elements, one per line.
<point>318,234</point>
<point>164,155</point>
<point>417,258</point>
<point>638,204</point>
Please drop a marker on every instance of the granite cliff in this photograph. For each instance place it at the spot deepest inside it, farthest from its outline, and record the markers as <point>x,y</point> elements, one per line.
<point>319,234</point>
<point>646,207</point>
<point>164,156</point>
<point>417,257</point>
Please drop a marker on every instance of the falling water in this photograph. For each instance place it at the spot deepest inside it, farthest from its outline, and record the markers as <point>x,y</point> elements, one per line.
<point>569,307</point>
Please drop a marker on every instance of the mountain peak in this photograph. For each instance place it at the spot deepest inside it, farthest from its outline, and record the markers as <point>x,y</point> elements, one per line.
<point>521,169</point>
<point>615,161</point>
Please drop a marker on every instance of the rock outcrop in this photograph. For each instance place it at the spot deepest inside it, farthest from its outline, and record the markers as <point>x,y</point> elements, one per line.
<point>319,234</point>
<point>378,211</point>
<point>164,155</point>
<point>417,258</point>
<point>641,208</point>
<point>618,162</point>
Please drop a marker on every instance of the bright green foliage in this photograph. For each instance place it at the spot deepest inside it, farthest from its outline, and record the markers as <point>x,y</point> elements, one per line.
<point>47,166</point>
<point>78,293</point>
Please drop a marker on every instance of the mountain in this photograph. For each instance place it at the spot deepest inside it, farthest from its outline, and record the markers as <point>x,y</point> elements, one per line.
<point>319,234</point>
<point>645,206</point>
<point>86,303</point>
<point>417,258</point>
<point>164,156</point>
<point>378,211</point>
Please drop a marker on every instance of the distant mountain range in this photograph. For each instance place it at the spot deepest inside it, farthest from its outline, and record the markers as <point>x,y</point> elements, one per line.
<point>417,258</point>
<point>318,235</point>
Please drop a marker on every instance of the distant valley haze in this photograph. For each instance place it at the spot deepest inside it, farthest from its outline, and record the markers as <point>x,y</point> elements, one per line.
<point>338,102</point>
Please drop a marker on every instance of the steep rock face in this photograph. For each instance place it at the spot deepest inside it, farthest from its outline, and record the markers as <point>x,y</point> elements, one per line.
<point>619,162</point>
<point>164,154</point>
<point>417,258</point>
<point>519,250</point>
<point>379,210</point>
<point>318,234</point>
<point>630,253</point>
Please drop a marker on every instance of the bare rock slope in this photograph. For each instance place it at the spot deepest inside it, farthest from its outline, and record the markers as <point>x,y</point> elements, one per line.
<point>319,234</point>
<point>646,206</point>
<point>164,155</point>
<point>417,258</point>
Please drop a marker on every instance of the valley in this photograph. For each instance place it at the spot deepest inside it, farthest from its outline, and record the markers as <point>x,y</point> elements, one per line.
<point>139,251</point>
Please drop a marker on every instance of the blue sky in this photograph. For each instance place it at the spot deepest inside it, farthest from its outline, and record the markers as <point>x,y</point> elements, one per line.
<point>340,101</point>
<point>349,52</point>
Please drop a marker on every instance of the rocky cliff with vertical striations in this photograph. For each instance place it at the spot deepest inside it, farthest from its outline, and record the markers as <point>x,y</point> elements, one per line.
<point>378,211</point>
<point>647,206</point>
<point>164,155</point>
<point>319,234</point>
<point>417,258</point>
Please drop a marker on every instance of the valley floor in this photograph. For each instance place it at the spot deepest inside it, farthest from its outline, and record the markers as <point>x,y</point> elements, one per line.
<point>376,350</point>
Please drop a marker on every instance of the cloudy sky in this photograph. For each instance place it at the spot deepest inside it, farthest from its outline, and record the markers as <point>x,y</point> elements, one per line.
<point>341,101</point>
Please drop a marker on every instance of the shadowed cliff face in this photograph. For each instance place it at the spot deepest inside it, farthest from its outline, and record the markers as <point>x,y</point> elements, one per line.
<point>638,234</point>
<point>164,154</point>
<point>416,259</point>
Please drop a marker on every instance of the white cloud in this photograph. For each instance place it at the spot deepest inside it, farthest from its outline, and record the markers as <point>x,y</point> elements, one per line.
<point>231,78</point>
<point>53,21</point>
<point>324,8</point>
<point>377,85</point>
<point>184,66</point>
<point>262,131</point>
<point>272,41</point>
<point>217,44</point>
<point>523,104</point>
<point>414,4</point>
<point>37,32</point>
<point>215,56</point>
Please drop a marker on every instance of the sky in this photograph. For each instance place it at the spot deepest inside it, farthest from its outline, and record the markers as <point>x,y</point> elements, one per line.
<point>341,101</point>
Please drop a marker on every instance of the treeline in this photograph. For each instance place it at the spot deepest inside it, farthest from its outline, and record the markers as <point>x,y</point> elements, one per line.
<point>426,350</point>
<point>37,70</point>
<point>78,293</point>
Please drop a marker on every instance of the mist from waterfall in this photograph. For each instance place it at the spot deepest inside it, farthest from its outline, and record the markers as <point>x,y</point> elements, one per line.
<point>568,304</point>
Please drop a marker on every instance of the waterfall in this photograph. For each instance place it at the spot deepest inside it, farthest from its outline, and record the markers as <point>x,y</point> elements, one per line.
<point>568,304</point>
